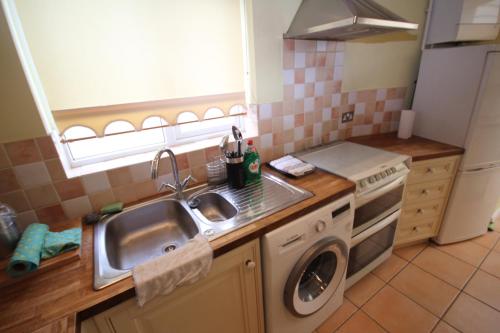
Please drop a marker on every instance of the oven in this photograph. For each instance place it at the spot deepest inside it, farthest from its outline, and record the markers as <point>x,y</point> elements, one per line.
<point>375,221</point>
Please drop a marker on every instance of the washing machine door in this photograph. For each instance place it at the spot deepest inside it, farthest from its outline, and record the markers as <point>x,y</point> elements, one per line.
<point>316,276</point>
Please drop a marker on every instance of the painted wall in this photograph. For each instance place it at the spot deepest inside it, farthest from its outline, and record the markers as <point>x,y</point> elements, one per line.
<point>19,118</point>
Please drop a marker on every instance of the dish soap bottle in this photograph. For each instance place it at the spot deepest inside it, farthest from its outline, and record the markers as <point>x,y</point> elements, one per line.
<point>251,163</point>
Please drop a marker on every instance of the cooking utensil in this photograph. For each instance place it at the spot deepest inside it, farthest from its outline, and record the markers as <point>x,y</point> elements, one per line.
<point>223,144</point>
<point>238,137</point>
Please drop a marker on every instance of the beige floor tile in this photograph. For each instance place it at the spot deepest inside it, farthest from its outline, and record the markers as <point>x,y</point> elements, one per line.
<point>485,287</point>
<point>444,266</point>
<point>360,322</point>
<point>443,327</point>
<point>410,252</point>
<point>427,290</point>
<point>337,318</point>
<point>469,315</point>
<point>389,268</point>
<point>492,264</point>
<point>467,251</point>
<point>364,289</point>
<point>487,240</point>
<point>397,313</point>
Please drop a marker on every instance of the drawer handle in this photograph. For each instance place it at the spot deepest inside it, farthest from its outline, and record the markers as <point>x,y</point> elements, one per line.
<point>430,170</point>
<point>425,192</point>
<point>416,229</point>
<point>250,264</point>
<point>420,211</point>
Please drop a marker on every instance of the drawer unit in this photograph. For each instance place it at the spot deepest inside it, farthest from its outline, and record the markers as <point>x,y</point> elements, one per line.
<point>427,191</point>
<point>421,229</point>
<point>426,195</point>
<point>435,169</point>
<point>420,210</point>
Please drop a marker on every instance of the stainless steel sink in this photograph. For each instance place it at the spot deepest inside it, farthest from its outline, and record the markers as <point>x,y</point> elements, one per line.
<point>137,235</point>
<point>151,229</point>
<point>213,206</point>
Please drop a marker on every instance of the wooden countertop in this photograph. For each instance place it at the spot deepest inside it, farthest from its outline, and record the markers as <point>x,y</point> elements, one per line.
<point>416,147</point>
<point>56,296</point>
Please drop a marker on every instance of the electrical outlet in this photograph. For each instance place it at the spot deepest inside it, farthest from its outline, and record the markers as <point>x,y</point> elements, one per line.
<point>347,116</point>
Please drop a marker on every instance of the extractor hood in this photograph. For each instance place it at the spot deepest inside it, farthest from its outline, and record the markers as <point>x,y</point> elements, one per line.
<point>344,19</point>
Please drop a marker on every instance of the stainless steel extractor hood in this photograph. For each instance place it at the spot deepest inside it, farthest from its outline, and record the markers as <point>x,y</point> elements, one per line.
<point>344,19</point>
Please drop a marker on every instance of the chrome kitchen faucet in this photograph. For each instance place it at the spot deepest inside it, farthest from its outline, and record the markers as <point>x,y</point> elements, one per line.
<point>178,186</point>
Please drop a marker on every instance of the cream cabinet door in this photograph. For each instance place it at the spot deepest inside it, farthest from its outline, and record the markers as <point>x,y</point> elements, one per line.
<point>229,300</point>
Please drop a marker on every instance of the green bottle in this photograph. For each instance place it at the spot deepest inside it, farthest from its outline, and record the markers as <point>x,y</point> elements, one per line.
<point>251,163</point>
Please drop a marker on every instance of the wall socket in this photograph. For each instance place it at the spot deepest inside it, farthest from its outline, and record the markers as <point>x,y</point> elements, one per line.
<point>347,116</point>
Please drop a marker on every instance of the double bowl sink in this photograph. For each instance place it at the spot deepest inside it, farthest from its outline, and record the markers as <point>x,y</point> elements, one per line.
<point>151,229</point>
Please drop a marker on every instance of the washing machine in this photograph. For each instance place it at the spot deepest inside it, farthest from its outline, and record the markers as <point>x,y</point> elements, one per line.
<point>304,268</point>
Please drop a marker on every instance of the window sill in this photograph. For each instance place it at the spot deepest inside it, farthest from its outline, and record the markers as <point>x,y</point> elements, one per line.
<point>73,172</point>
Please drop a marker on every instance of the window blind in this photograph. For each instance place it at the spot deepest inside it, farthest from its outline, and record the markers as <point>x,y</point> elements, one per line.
<point>103,61</point>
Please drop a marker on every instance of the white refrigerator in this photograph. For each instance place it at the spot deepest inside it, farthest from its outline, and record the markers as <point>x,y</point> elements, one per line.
<point>457,101</point>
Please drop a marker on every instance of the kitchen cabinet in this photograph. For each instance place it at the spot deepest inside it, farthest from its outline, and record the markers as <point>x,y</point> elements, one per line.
<point>229,299</point>
<point>425,198</point>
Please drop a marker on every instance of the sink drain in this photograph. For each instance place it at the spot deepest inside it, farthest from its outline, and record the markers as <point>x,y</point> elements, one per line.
<point>169,248</point>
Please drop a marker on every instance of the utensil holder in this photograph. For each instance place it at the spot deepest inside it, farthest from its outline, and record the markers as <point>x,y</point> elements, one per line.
<point>235,172</point>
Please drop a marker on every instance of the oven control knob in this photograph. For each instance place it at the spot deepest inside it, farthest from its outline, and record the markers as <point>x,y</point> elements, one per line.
<point>377,177</point>
<point>393,170</point>
<point>320,226</point>
<point>383,174</point>
<point>371,179</point>
<point>362,183</point>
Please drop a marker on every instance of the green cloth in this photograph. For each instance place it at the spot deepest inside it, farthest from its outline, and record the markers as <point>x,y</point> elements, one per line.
<point>26,257</point>
<point>36,243</point>
<point>60,242</point>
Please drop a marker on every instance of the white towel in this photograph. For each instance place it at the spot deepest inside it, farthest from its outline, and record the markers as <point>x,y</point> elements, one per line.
<point>161,275</point>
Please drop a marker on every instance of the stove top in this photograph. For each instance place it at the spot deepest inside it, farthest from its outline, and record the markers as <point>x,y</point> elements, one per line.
<point>366,166</point>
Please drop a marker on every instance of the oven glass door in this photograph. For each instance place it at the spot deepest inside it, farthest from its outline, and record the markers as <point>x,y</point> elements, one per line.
<point>377,209</point>
<point>370,248</point>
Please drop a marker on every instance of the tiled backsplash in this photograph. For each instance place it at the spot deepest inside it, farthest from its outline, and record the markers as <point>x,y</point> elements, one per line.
<point>33,181</point>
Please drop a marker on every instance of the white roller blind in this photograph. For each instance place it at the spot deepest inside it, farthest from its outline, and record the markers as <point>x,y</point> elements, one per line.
<point>95,53</point>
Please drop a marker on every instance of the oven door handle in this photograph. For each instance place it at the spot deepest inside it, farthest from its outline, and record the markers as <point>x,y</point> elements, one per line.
<point>375,228</point>
<point>370,195</point>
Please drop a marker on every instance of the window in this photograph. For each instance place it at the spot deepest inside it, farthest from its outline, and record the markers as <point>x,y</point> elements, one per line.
<point>124,77</point>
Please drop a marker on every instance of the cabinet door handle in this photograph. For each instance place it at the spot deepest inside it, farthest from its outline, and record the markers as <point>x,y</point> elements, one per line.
<point>430,170</point>
<point>425,192</point>
<point>415,229</point>
<point>420,211</point>
<point>250,264</point>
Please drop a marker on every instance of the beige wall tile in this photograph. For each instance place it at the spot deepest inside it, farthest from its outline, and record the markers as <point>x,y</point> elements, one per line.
<point>101,199</point>
<point>119,177</point>
<point>42,196</point>
<point>32,175</point>
<point>77,207</point>
<point>126,193</point>
<point>24,219</point>
<point>51,215</point>
<point>97,182</point>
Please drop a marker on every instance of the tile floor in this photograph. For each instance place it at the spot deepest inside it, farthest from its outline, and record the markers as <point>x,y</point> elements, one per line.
<point>427,288</point>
